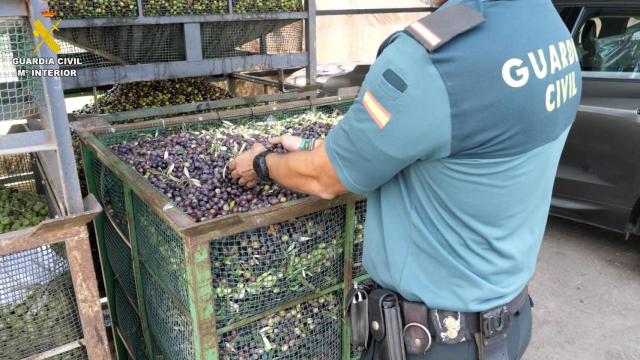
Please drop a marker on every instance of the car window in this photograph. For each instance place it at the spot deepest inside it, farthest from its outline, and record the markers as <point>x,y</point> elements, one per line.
<point>570,15</point>
<point>608,41</point>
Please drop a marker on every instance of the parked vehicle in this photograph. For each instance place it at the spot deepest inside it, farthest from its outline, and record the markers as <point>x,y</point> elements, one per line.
<point>598,180</point>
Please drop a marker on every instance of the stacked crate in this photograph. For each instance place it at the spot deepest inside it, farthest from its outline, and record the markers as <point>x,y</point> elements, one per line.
<point>39,312</point>
<point>128,41</point>
<point>243,91</point>
<point>49,306</point>
<point>264,284</point>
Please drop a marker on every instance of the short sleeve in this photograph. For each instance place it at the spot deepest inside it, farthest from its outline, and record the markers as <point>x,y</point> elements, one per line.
<point>401,116</point>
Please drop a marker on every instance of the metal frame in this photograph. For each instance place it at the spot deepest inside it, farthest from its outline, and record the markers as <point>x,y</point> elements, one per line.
<point>50,135</point>
<point>54,116</point>
<point>196,237</point>
<point>371,11</point>
<point>137,273</point>
<point>310,40</point>
<point>33,141</point>
<point>90,77</point>
<point>51,140</point>
<point>194,64</point>
<point>107,271</point>
<point>193,107</point>
<point>155,20</point>
<point>284,87</point>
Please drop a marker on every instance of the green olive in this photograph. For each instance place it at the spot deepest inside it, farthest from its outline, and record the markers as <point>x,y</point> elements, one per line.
<point>20,209</point>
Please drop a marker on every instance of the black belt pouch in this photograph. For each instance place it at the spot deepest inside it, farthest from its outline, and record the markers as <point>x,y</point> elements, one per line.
<point>386,325</point>
<point>358,315</point>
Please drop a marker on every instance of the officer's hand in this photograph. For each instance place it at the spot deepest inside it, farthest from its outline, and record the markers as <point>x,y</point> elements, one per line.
<point>289,142</point>
<point>242,167</point>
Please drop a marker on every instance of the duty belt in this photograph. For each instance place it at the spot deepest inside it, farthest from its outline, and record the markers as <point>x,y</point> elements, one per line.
<point>372,313</point>
<point>448,327</point>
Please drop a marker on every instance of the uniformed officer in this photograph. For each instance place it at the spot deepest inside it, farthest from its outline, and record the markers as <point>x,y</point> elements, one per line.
<point>455,139</point>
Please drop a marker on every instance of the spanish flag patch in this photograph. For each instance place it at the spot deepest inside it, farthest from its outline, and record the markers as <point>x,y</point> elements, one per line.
<point>377,112</point>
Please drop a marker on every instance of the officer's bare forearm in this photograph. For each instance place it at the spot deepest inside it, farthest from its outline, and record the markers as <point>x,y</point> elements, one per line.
<point>309,172</point>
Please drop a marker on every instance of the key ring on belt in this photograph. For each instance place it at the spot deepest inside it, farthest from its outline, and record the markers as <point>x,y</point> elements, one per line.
<point>423,328</point>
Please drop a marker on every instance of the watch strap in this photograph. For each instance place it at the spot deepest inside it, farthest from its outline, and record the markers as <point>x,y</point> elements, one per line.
<point>260,165</point>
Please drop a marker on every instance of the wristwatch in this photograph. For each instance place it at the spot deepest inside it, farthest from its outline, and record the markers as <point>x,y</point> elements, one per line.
<point>260,165</point>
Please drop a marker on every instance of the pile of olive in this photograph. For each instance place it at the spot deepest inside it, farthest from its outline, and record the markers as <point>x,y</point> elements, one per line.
<point>20,209</point>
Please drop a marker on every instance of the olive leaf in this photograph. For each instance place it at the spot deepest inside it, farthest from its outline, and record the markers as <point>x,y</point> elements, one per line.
<point>170,168</point>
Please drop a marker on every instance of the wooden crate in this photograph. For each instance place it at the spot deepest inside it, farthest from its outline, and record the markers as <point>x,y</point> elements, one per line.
<point>48,293</point>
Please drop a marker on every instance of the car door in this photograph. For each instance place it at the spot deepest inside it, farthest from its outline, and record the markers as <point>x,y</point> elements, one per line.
<point>598,179</point>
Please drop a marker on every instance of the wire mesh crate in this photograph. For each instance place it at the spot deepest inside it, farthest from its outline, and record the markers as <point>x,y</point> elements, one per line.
<point>92,9</point>
<point>16,172</point>
<point>277,264</point>
<point>49,304</point>
<point>195,7</point>
<point>23,200</point>
<point>38,306</point>
<point>111,41</point>
<point>203,286</point>
<point>65,9</point>
<point>110,193</point>
<point>262,6</point>
<point>41,313</point>
<point>168,319</point>
<point>100,47</point>
<point>119,254</point>
<point>129,326</point>
<point>95,47</point>
<point>20,92</point>
<point>358,240</point>
<point>75,354</point>
<point>242,38</point>
<point>26,57</point>
<point>309,330</point>
<point>141,101</point>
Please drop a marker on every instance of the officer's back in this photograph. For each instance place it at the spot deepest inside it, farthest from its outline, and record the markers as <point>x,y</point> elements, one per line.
<point>456,138</point>
<point>459,173</point>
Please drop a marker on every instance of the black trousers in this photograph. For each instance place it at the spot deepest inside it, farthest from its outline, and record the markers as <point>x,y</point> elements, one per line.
<point>518,338</point>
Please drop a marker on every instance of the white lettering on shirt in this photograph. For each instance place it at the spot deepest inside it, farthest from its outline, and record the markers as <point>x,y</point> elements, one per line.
<point>521,72</point>
<point>544,62</point>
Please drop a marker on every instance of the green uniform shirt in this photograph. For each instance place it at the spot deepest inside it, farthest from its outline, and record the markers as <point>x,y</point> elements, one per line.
<point>457,151</point>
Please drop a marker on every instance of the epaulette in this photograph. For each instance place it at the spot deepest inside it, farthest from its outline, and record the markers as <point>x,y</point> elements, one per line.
<point>435,30</point>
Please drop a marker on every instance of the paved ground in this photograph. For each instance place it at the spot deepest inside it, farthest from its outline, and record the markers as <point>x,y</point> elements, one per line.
<point>587,295</point>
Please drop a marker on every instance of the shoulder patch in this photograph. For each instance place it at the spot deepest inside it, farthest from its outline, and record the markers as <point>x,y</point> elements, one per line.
<point>435,30</point>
